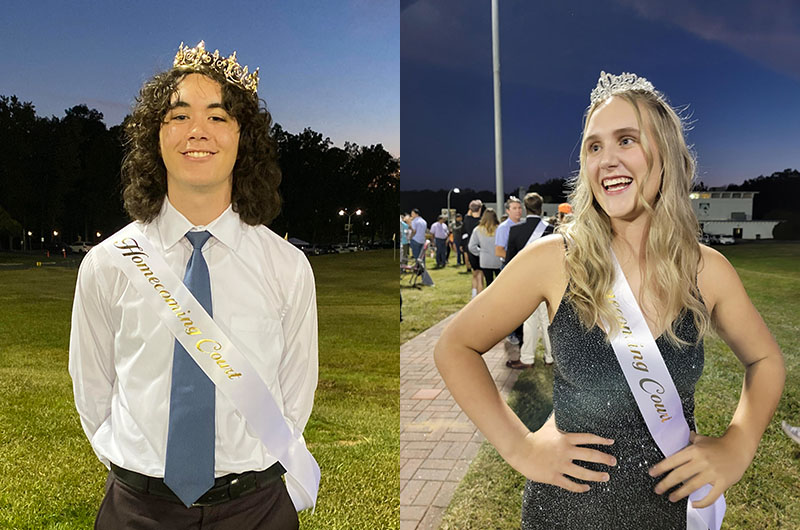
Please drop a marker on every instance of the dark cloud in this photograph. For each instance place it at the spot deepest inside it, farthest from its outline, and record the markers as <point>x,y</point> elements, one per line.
<point>766,31</point>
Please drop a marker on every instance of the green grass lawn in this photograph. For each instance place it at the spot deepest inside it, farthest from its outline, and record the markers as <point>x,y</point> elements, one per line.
<point>423,307</point>
<point>49,476</point>
<point>490,494</point>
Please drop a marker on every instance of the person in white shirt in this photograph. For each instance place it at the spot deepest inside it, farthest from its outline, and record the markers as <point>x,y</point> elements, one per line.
<point>418,229</point>
<point>440,232</point>
<point>200,159</point>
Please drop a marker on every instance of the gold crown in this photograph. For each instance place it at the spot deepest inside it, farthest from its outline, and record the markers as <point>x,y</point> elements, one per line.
<point>228,66</point>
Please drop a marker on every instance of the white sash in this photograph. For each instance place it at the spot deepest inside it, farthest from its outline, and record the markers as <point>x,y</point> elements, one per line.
<point>217,356</point>
<point>655,392</point>
<point>537,232</point>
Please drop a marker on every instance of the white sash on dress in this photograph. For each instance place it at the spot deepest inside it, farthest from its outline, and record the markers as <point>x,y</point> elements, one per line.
<point>654,391</point>
<point>217,356</point>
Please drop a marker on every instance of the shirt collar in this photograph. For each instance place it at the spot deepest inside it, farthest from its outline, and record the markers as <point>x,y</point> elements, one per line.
<point>172,226</point>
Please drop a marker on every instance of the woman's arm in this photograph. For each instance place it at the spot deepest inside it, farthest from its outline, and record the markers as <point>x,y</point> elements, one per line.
<point>547,455</point>
<point>722,461</point>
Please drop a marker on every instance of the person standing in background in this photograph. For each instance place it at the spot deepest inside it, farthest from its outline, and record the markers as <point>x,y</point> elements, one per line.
<point>535,326</point>
<point>440,232</point>
<point>471,221</point>
<point>482,243</point>
<point>418,228</point>
<point>458,227</point>
<point>514,212</point>
<point>404,231</point>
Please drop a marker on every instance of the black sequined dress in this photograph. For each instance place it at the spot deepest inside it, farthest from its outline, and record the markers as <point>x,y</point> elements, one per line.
<point>590,394</point>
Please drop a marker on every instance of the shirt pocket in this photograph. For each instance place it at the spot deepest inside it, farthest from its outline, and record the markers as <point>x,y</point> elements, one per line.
<point>261,341</point>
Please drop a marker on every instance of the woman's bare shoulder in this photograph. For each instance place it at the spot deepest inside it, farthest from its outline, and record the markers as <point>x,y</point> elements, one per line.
<point>715,275</point>
<point>549,249</point>
<point>545,255</point>
<point>540,265</point>
<point>712,262</point>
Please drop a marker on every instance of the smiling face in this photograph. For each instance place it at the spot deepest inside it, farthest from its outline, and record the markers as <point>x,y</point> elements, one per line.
<point>198,139</point>
<point>615,160</point>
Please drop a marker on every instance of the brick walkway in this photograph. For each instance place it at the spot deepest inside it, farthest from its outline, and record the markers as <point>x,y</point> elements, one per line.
<point>437,440</point>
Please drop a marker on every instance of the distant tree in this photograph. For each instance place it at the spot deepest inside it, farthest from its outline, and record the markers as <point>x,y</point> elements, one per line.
<point>320,179</point>
<point>552,190</point>
<point>376,177</point>
<point>777,193</point>
<point>9,227</point>
<point>18,156</point>
<point>64,174</point>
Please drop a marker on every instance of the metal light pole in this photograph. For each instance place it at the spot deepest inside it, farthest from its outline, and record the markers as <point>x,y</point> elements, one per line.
<point>344,212</point>
<point>448,204</point>
<point>498,134</point>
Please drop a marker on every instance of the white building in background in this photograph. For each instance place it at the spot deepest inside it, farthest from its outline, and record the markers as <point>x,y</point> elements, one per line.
<point>729,213</point>
<point>724,213</point>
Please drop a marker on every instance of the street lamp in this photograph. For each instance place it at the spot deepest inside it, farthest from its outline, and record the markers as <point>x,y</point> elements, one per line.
<point>344,212</point>
<point>456,190</point>
<point>97,234</point>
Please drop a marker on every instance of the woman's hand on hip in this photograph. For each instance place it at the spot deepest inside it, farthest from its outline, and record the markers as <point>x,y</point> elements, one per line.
<point>548,455</point>
<point>706,460</point>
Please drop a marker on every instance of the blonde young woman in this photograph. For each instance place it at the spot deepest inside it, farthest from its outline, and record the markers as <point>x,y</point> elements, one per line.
<point>597,461</point>
<point>481,244</point>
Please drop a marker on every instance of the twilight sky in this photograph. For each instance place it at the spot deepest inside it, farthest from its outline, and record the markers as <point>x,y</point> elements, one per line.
<point>735,63</point>
<point>331,66</point>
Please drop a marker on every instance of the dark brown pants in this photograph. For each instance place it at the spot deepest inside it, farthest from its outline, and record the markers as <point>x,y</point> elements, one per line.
<point>128,509</point>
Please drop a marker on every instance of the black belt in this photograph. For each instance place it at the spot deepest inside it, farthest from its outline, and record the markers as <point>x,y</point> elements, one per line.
<point>224,489</point>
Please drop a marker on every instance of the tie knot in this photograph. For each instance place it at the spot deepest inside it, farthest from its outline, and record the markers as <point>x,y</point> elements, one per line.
<point>198,239</point>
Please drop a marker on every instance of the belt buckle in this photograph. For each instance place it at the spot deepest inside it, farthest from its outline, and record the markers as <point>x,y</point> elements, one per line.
<point>242,484</point>
<point>213,497</point>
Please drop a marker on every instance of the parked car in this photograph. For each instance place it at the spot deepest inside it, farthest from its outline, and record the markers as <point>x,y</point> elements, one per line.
<point>56,249</point>
<point>81,247</point>
<point>314,250</point>
<point>726,240</point>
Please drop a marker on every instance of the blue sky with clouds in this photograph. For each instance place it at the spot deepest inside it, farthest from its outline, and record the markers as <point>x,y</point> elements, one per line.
<point>735,64</point>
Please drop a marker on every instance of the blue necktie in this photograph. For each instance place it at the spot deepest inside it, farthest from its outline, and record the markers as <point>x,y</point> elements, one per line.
<point>189,470</point>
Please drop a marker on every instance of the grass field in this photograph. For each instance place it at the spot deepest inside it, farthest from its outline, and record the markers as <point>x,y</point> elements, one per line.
<point>425,306</point>
<point>766,497</point>
<point>49,476</point>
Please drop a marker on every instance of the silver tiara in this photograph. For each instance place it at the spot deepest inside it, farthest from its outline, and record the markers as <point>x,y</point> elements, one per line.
<point>610,84</point>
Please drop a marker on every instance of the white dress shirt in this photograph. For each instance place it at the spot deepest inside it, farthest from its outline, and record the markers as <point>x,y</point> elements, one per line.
<point>120,354</point>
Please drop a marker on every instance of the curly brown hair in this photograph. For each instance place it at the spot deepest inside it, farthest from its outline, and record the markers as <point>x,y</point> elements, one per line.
<point>256,174</point>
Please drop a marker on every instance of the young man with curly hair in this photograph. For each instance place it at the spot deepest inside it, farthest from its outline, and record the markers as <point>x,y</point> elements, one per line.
<point>196,397</point>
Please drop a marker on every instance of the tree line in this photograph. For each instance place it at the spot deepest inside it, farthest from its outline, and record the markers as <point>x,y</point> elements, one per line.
<point>60,181</point>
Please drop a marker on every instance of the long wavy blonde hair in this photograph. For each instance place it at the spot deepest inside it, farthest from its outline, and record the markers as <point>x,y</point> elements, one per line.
<point>672,252</point>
